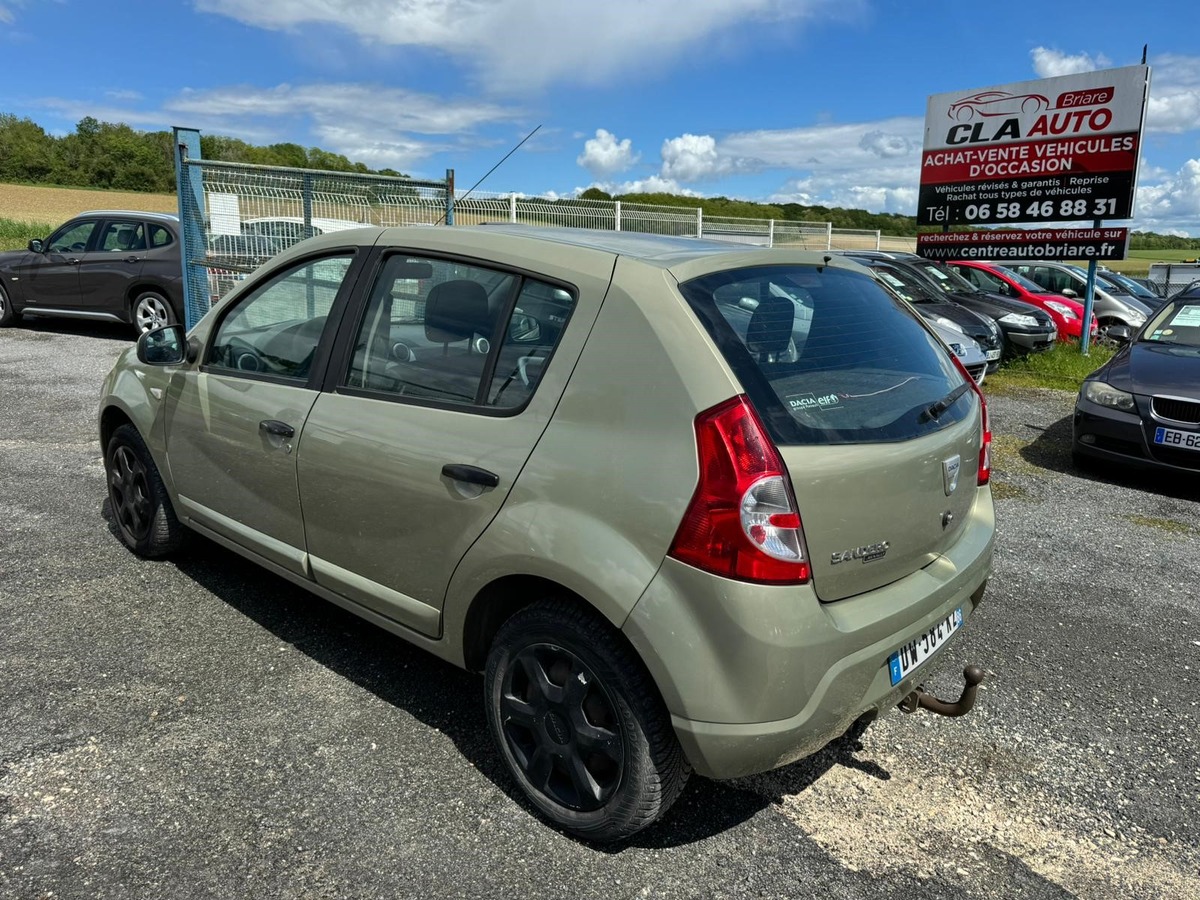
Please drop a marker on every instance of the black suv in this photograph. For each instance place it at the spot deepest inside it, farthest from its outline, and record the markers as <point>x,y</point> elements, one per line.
<point>110,265</point>
<point>1025,327</point>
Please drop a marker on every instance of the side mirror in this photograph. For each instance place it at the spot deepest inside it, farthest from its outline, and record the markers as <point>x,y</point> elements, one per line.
<point>1067,292</point>
<point>1119,333</point>
<point>165,346</point>
<point>35,246</point>
<point>524,329</point>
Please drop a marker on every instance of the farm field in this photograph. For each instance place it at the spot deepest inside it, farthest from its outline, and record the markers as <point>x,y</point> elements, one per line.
<point>27,209</point>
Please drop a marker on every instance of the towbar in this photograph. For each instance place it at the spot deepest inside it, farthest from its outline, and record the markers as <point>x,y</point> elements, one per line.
<point>920,699</point>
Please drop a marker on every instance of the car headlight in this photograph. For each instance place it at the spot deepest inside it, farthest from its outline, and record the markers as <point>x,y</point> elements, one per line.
<point>1104,394</point>
<point>1062,309</point>
<point>946,323</point>
<point>1019,319</point>
<point>1136,317</point>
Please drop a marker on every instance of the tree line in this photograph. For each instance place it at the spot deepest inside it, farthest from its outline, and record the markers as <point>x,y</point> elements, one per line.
<point>113,156</point>
<point>116,157</point>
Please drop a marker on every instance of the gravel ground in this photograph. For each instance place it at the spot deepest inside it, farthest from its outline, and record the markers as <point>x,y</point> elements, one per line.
<point>199,728</point>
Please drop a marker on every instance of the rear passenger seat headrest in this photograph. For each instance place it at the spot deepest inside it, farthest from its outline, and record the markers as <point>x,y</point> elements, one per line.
<point>455,311</point>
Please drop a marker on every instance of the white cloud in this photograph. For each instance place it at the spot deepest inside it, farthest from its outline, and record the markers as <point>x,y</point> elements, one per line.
<point>696,157</point>
<point>1049,63</point>
<point>366,123</point>
<point>605,155</point>
<point>884,145</point>
<point>519,44</point>
<point>1174,104</point>
<point>653,184</point>
<point>1172,203</point>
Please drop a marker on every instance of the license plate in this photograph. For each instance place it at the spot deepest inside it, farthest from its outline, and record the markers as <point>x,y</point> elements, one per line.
<point>921,648</point>
<point>992,355</point>
<point>1172,437</point>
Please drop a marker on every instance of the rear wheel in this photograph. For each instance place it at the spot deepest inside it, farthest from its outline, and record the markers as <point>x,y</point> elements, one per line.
<point>151,310</point>
<point>580,724</point>
<point>141,507</point>
<point>8,316</point>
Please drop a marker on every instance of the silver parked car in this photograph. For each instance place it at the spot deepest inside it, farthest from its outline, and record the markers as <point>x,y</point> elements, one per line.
<point>1111,309</point>
<point>686,506</point>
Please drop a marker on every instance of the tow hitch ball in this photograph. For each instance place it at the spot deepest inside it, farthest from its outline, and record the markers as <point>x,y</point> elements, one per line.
<point>920,699</point>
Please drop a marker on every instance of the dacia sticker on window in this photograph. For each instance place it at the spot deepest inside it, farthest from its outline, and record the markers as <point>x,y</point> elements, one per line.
<point>810,401</point>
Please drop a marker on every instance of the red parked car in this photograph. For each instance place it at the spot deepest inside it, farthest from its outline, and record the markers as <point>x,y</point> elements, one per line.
<point>1066,312</point>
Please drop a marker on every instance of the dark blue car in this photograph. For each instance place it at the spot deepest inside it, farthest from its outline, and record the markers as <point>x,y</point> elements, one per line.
<point>1142,407</point>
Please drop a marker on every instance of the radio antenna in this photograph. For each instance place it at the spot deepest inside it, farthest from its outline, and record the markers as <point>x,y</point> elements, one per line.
<point>494,168</point>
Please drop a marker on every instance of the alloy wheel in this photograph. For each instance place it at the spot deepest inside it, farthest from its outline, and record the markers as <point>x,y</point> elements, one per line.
<point>151,313</point>
<point>130,493</point>
<point>562,727</point>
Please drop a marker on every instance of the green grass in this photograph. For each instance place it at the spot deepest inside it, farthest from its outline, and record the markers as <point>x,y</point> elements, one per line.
<point>1168,525</point>
<point>16,235</point>
<point>1061,368</point>
<point>1139,261</point>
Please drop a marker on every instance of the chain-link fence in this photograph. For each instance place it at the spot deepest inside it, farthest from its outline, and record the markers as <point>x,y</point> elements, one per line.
<point>237,216</point>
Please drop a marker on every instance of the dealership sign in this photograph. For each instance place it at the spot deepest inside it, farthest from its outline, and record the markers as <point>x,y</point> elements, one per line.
<point>1079,244</point>
<point>1056,150</point>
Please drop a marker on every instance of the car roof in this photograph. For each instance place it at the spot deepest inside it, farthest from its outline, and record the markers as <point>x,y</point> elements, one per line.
<point>685,257</point>
<point>140,213</point>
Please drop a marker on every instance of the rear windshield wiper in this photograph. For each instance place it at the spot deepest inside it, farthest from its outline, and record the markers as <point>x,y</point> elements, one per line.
<point>935,410</point>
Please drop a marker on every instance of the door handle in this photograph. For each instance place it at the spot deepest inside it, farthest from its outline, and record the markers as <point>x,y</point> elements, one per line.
<point>470,474</point>
<point>276,428</point>
<point>133,259</point>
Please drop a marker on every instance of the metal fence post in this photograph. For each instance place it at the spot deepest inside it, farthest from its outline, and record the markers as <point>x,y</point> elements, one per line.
<point>828,235</point>
<point>306,198</point>
<point>189,191</point>
<point>449,196</point>
<point>616,215</point>
<point>770,232</point>
<point>699,221</point>
<point>512,207</point>
<point>878,243</point>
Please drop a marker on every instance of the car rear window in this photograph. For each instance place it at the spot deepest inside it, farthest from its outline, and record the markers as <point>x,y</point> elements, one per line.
<point>827,356</point>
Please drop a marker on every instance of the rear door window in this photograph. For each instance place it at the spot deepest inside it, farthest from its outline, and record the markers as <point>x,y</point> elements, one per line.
<point>827,356</point>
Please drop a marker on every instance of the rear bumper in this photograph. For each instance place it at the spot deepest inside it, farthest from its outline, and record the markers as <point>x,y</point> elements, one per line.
<point>757,677</point>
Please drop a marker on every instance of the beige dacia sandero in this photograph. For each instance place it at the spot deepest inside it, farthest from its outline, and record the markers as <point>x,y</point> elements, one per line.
<point>686,505</point>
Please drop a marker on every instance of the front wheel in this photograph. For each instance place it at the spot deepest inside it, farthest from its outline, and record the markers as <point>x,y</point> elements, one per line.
<point>580,724</point>
<point>141,507</point>
<point>151,310</point>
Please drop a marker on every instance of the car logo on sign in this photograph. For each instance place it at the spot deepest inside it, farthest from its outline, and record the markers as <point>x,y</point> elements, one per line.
<point>950,470</point>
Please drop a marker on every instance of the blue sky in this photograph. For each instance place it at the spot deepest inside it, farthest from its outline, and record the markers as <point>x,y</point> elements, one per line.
<point>811,101</point>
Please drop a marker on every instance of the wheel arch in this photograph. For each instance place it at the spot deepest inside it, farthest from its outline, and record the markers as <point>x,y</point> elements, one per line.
<point>497,602</point>
<point>112,418</point>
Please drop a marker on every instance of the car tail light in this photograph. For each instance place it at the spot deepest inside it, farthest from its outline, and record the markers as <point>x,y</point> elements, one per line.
<point>742,522</point>
<point>985,450</point>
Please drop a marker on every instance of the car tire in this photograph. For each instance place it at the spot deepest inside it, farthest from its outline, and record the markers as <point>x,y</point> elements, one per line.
<point>151,310</point>
<point>8,316</point>
<point>141,507</point>
<point>580,724</point>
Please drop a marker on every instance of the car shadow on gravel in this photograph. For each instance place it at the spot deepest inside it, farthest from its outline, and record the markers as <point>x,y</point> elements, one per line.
<point>449,699</point>
<point>1051,450</point>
